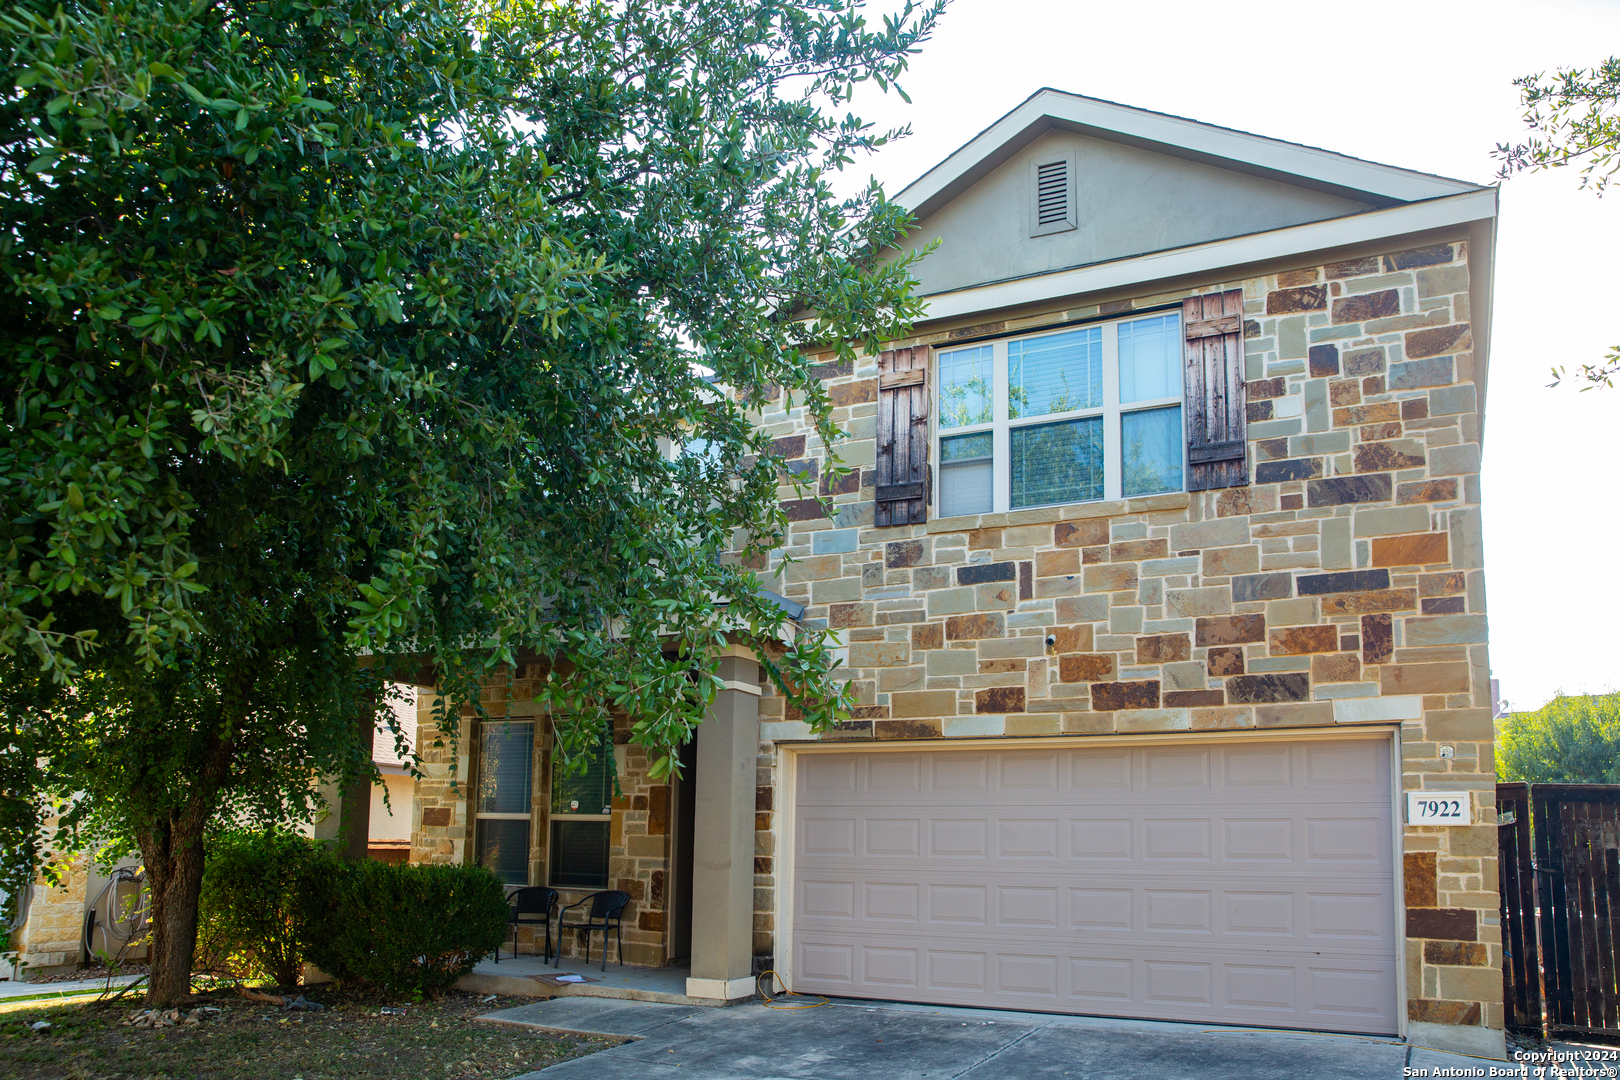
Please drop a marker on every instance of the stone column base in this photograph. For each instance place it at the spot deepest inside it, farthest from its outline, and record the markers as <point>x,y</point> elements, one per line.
<point>1458,1039</point>
<point>720,989</point>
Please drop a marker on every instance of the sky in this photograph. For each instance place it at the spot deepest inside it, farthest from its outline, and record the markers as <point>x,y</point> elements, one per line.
<point>1420,85</point>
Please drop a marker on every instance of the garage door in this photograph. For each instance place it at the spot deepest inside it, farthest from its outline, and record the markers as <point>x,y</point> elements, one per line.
<point>1243,883</point>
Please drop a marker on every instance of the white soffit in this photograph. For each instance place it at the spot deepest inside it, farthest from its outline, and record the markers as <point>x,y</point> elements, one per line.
<point>1477,204</point>
<point>1238,150</point>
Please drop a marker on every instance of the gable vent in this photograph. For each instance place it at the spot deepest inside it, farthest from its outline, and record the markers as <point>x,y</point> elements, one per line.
<point>1052,195</point>
<point>1051,192</point>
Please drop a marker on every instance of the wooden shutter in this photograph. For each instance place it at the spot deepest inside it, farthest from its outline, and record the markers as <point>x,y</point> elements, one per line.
<point>902,437</point>
<point>1216,430</point>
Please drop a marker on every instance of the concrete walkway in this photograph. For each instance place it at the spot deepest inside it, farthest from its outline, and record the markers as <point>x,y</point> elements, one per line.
<point>867,1041</point>
<point>10,989</point>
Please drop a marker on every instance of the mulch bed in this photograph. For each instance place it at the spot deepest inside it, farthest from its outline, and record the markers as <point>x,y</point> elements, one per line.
<point>351,1039</point>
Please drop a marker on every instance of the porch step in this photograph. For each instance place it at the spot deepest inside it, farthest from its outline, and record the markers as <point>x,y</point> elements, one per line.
<point>522,976</point>
<point>600,1017</point>
<point>520,986</point>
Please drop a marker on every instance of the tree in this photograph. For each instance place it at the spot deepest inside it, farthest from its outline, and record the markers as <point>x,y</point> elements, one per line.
<point>1569,740</point>
<point>1571,117</point>
<point>341,337</point>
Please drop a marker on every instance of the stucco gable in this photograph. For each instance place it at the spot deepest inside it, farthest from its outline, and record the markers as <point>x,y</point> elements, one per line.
<point>1146,182</point>
<point>1129,201</point>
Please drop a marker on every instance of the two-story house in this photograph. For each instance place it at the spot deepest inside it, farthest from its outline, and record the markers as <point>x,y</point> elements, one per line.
<point>1160,578</point>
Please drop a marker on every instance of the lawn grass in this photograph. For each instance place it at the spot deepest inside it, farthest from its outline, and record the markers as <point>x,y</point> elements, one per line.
<point>350,1040</point>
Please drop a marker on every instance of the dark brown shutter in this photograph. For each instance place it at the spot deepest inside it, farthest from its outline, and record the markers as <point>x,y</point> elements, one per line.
<point>902,437</point>
<point>1216,430</point>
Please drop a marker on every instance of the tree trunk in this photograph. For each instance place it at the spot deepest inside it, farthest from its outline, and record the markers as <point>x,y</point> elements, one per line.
<point>354,834</point>
<point>174,869</point>
<point>173,852</point>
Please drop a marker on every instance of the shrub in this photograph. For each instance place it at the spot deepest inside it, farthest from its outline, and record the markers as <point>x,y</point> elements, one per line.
<point>1573,739</point>
<point>405,929</point>
<point>247,923</point>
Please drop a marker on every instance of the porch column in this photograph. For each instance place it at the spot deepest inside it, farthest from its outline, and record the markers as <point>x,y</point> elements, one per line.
<point>723,826</point>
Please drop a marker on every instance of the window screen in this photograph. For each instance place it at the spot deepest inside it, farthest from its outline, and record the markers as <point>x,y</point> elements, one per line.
<point>1056,373</point>
<point>579,853</point>
<point>1150,445</point>
<point>590,793</point>
<point>1057,463</point>
<point>1149,359</point>
<point>966,474</point>
<point>965,393</point>
<point>505,763</point>
<point>503,846</point>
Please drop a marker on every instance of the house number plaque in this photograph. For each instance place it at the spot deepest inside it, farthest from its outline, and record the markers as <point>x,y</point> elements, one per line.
<point>1439,808</point>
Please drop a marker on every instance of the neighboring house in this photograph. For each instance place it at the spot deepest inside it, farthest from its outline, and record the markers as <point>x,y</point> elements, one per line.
<point>1160,579</point>
<point>49,939</point>
<point>85,920</point>
<point>388,829</point>
<point>389,833</point>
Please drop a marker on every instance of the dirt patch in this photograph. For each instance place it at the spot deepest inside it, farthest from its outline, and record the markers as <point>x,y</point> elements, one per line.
<point>352,1039</point>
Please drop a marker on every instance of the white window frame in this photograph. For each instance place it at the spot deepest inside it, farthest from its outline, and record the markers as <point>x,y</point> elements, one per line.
<point>1001,425</point>
<point>570,815</point>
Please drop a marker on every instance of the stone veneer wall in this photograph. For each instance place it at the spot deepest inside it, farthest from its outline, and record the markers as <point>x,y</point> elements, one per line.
<point>51,940</point>
<point>441,825</point>
<point>1344,586</point>
<point>442,821</point>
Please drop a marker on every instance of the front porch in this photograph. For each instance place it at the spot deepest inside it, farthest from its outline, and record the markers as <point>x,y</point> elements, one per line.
<point>675,846</point>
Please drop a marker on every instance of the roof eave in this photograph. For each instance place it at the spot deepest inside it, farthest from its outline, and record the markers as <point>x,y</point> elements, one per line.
<point>1240,151</point>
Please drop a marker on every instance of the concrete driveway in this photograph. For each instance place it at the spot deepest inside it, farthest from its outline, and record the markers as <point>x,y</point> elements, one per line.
<point>884,1041</point>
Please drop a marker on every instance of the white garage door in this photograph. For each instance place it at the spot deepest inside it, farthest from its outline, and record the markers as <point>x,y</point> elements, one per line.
<point>1235,882</point>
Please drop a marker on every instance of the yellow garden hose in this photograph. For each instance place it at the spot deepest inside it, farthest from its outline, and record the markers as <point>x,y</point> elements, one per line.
<point>771,1000</point>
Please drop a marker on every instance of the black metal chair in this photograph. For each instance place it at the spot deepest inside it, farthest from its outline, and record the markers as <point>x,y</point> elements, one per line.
<point>607,909</point>
<point>534,900</point>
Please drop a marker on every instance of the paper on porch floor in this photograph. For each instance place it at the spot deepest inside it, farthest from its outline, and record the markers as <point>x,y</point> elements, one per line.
<point>567,978</point>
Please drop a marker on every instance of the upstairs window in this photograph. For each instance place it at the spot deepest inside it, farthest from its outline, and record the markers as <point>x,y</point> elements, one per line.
<point>1068,416</point>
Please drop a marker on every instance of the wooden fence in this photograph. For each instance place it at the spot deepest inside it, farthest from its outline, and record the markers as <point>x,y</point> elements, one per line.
<point>1521,953</point>
<point>1559,869</point>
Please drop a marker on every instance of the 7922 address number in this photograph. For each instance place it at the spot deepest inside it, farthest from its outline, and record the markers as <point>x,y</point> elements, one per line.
<point>1439,808</point>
